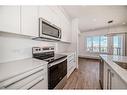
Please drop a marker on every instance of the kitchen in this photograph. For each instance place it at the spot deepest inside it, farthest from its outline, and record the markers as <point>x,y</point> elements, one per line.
<point>42,47</point>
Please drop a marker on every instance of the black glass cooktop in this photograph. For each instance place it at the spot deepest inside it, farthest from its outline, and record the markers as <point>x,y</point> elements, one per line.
<point>49,58</point>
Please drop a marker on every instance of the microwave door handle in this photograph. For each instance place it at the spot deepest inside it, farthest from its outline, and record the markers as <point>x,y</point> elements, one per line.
<point>60,34</point>
<point>56,62</point>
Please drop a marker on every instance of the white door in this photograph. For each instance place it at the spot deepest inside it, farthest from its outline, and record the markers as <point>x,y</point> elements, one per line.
<point>29,21</point>
<point>10,19</point>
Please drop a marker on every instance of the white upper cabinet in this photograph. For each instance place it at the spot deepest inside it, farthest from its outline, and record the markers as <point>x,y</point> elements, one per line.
<point>29,21</point>
<point>10,19</point>
<point>49,14</point>
<point>24,20</point>
<point>66,29</point>
<point>54,15</point>
<point>56,19</point>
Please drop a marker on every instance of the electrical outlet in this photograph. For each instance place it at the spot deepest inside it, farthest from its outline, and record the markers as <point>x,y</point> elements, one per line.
<point>16,51</point>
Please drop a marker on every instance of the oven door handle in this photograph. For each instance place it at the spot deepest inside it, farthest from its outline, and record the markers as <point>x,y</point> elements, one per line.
<point>57,62</point>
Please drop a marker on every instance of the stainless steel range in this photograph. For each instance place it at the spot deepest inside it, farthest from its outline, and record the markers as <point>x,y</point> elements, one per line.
<point>57,66</point>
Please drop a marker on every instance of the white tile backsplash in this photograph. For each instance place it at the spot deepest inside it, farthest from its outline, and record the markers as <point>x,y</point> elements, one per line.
<point>14,48</point>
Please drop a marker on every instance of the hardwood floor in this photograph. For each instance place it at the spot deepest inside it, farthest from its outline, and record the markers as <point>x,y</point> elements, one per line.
<point>86,77</point>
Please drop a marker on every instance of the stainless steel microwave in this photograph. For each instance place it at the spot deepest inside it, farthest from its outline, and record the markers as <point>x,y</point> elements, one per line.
<point>49,30</point>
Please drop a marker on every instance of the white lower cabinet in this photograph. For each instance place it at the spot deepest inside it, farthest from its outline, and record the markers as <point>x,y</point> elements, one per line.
<point>40,85</point>
<point>112,80</point>
<point>71,63</point>
<point>33,79</point>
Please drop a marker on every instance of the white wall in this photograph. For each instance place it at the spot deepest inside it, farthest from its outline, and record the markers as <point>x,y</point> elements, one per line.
<point>15,47</point>
<point>82,37</point>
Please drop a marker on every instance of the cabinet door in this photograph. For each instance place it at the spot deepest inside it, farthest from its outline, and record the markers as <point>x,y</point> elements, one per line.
<point>116,82</point>
<point>105,76</point>
<point>56,12</point>
<point>10,19</point>
<point>66,28</point>
<point>69,32</point>
<point>46,13</point>
<point>29,20</point>
<point>63,23</point>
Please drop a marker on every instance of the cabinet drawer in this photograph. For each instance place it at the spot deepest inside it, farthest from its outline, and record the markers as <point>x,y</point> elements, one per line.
<point>13,80</point>
<point>33,83</point>
<point>25,81</point>
<point>43,84</point>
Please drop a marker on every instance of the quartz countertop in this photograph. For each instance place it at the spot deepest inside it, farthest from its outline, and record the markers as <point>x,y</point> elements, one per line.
<point>110,60</point>
<point>14,68</point>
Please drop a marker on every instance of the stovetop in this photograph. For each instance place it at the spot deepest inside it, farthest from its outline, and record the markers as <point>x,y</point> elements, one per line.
<point>49,58</point>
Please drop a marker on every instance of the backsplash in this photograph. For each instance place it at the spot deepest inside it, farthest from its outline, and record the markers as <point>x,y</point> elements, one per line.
<point>14,48</point>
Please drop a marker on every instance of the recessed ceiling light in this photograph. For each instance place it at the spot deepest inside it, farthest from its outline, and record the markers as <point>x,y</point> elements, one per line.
<point>124,23</point>
<point>94,19</point>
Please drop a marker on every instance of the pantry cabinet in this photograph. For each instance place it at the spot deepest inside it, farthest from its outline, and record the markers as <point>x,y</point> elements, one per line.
<point>29,21</point>
<point>10,19</point>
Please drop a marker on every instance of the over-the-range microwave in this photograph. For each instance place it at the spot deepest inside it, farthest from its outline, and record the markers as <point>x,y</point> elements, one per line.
<point>48,30</point>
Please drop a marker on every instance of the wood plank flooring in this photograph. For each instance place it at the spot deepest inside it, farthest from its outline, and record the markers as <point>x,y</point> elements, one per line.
<point>86,77</point>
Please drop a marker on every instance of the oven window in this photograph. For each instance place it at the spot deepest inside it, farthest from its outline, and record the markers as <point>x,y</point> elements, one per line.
<point>56,73</point>
<point>50,30</point>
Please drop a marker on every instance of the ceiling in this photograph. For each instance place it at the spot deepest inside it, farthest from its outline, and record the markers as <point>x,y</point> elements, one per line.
<point>96,17</point>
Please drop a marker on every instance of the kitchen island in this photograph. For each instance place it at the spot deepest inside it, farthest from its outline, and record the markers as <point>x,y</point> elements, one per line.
<point>113,71</point>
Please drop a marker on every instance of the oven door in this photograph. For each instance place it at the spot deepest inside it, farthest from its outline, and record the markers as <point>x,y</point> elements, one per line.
<point>56,72</point>
<point>48,30</point>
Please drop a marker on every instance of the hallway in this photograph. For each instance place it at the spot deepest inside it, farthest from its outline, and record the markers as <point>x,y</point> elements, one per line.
<point>86,77</point>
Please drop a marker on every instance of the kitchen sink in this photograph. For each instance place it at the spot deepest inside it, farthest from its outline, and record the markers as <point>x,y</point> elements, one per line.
<point>121,64</point>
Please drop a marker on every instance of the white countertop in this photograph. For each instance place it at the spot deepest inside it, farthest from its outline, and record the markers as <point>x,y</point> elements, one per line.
<point>109,59</point>
<point>14,68</point>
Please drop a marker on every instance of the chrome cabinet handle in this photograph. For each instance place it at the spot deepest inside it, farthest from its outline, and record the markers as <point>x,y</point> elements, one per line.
<point>109,79</point>
<point>57,62</point>
<point>108,76</point>
<point>36,83</point>
<point>111,75</point>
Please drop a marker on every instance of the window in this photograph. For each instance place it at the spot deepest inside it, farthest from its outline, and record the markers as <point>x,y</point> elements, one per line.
<point>103,44</point>
<point>117,45</point>
<point>89,44</point>
<point>97,44</point>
